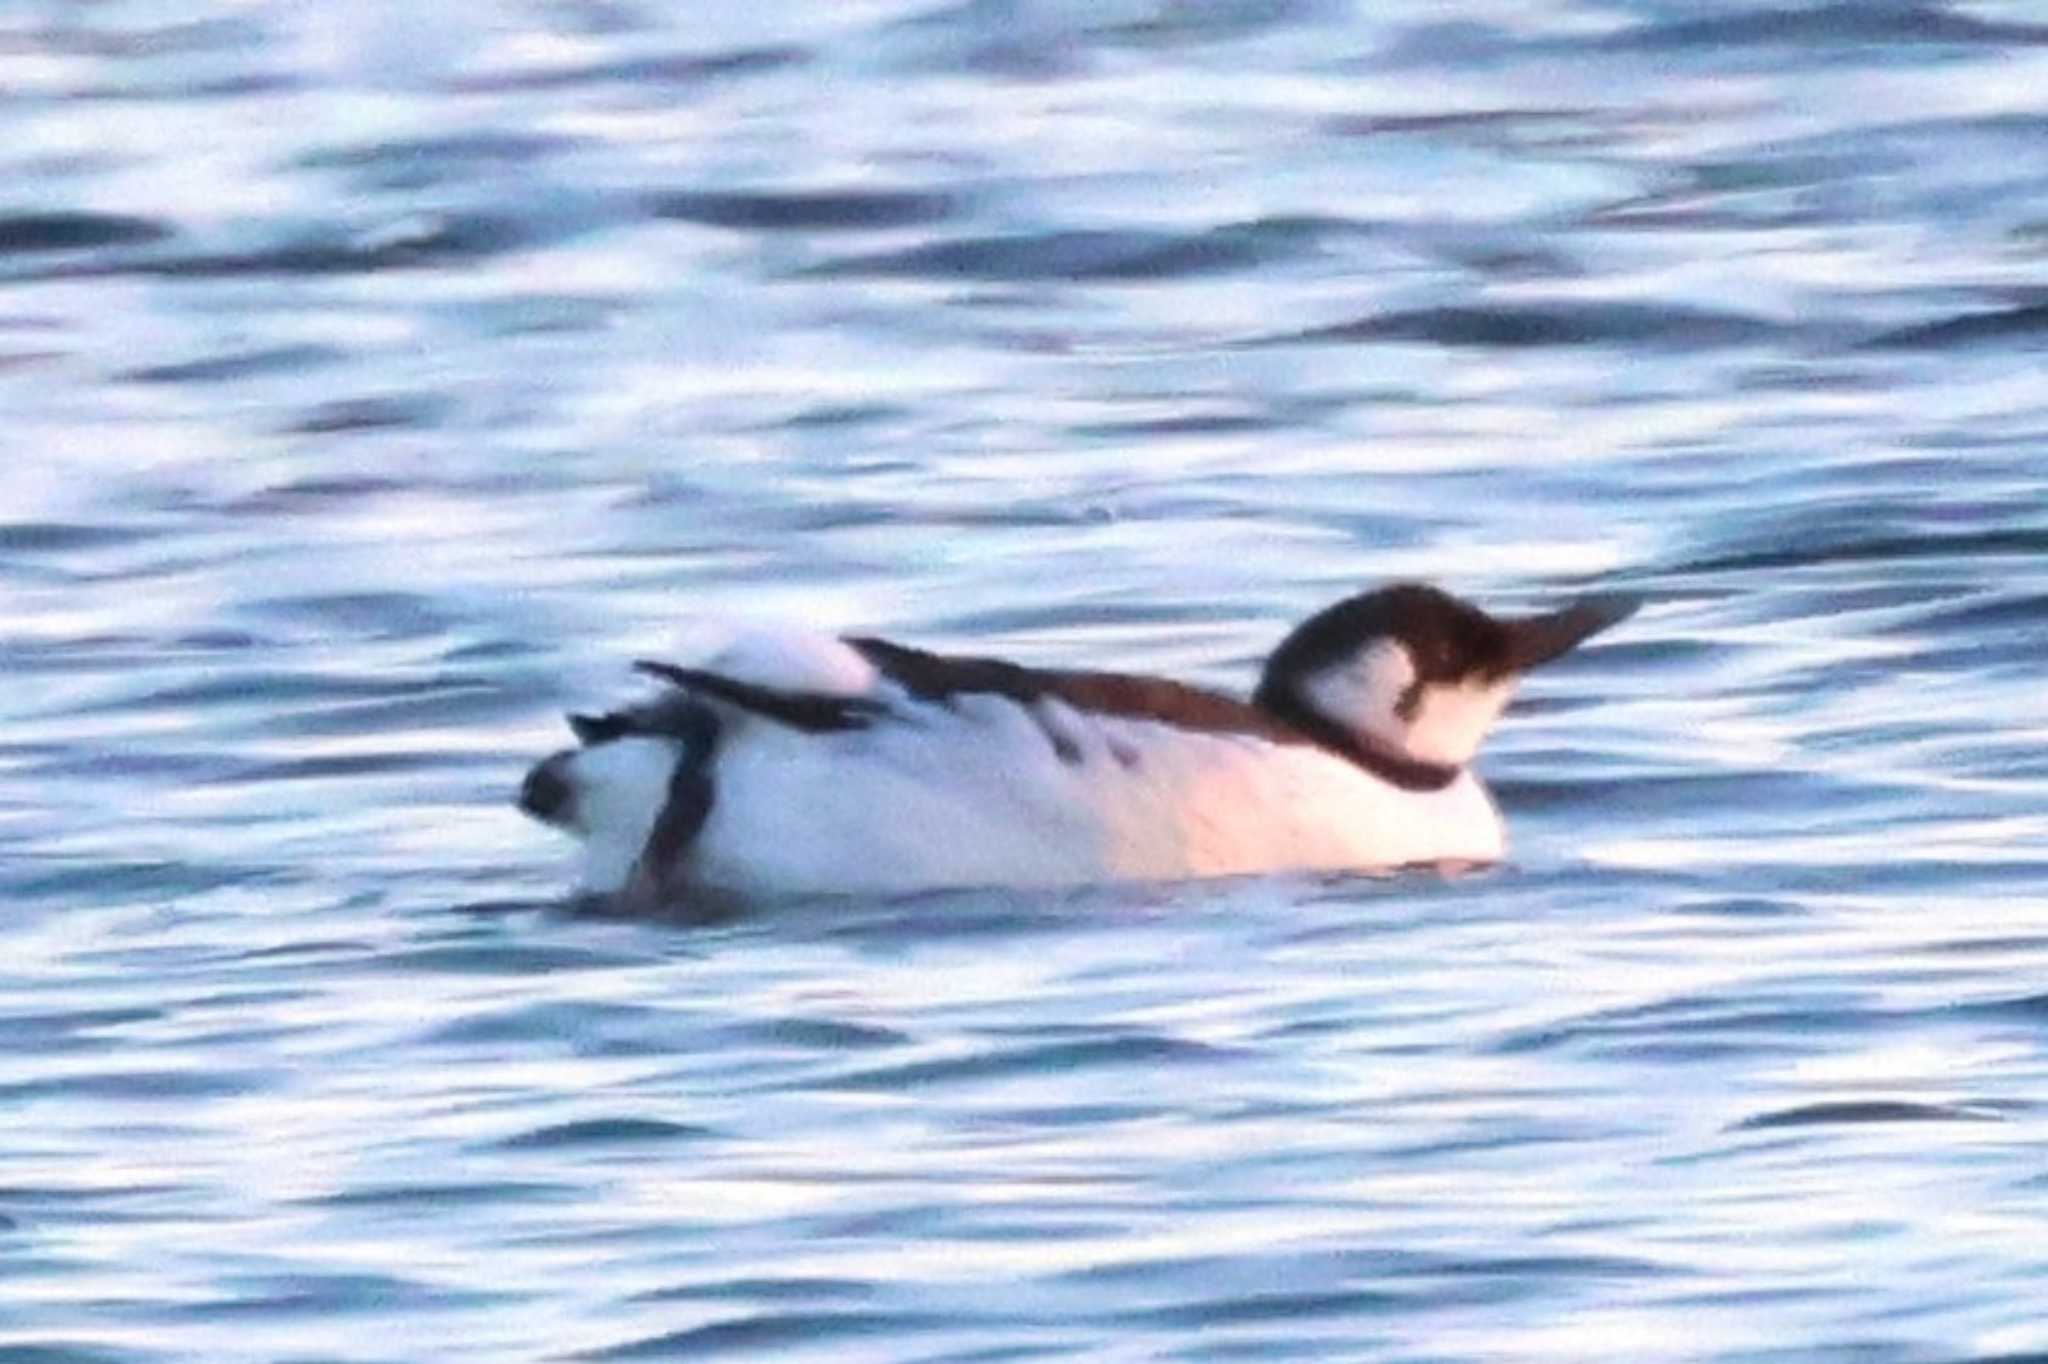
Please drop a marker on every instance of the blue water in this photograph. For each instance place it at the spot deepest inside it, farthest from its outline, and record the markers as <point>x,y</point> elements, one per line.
<point>378,377</point>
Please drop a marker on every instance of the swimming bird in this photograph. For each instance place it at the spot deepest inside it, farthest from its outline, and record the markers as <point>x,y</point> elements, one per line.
<point>792,763</point>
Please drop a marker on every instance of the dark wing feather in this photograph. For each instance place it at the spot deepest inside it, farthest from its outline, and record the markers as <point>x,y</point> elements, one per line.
<point>677,715</point>
<point>934,677</point>
<point>811,712</point>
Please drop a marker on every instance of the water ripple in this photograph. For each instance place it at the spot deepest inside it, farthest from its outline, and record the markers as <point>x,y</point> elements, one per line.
<point>810,210</point>
<point>75,230</point>
<point>1864,1111</point>
<point>1127,254</point>
<point>2027,326</point>
<point>768,1331</point>
<point>675,69</point>
<point>602,1132</point>
<point>1564,324</point>
<point>1083,1054</point>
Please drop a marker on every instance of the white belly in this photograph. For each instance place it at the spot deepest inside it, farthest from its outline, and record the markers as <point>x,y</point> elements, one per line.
<point>974,793</point>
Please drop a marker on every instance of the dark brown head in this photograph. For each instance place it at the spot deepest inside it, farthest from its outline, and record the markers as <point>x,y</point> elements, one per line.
<point>1413,672</point>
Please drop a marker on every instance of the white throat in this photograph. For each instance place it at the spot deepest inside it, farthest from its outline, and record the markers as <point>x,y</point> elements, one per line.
<point>1442,723</point>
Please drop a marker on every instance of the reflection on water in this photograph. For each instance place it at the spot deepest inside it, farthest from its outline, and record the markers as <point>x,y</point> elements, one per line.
<point>379,378</point>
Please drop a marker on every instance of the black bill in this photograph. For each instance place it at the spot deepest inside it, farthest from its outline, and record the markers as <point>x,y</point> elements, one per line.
<point>1532,640</point>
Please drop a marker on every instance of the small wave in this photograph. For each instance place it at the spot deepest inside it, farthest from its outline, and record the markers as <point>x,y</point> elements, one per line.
<point>139,1086</point>
<point>602,1132</point>
<point>408,243</point>
<point>215,369</point>
<point>817,1034</point>
<point>58,537</point>
<point>1863,1111</point>
<point>1451,121</point>
<point>767,1332</point>
<point>69,1029</point>
<point>425,1197</point>
<point>1556,324</point>
<point>1814,550</point>
<point>1757,1024</point>
<point>808,1289</point>
<point>1134,1049</point>
<point>833,416</point>
<point>1249,1308</point>
<point>1097,254</point>
<point>500,959</point>
<point>416,162</point>
<point>381,412</point>
<point>1193,424</point>
<point>1853,22</point>
<point>329,766</point>
<point>297,1295</point>
<point>2032,1008</point>
<point>382,615</point>
<point>819,210</point>
<point>1997,611</point>
<point>21,233</point>
<point>676,68</point>
<point>587,1028</point>
<point>68,1352</point>
<point>2028,324</point>
<point>1213,21</point>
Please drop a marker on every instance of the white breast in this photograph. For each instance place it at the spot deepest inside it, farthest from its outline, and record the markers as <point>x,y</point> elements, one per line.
<point>977,792</point>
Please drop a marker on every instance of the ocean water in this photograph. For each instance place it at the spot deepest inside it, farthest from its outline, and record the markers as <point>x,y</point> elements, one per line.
<point>379,377</point>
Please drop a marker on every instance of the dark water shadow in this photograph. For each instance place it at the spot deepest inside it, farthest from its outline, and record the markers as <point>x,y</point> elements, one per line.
<point>810,210</point>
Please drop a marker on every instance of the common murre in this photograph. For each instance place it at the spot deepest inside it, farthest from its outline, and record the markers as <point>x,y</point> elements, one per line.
<point>800,764</point>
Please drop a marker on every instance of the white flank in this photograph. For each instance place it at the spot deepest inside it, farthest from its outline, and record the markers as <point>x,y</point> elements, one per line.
<point>974,793</point>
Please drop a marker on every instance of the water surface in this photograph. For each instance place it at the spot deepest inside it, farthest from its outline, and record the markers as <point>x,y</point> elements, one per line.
<point>380,377</point>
